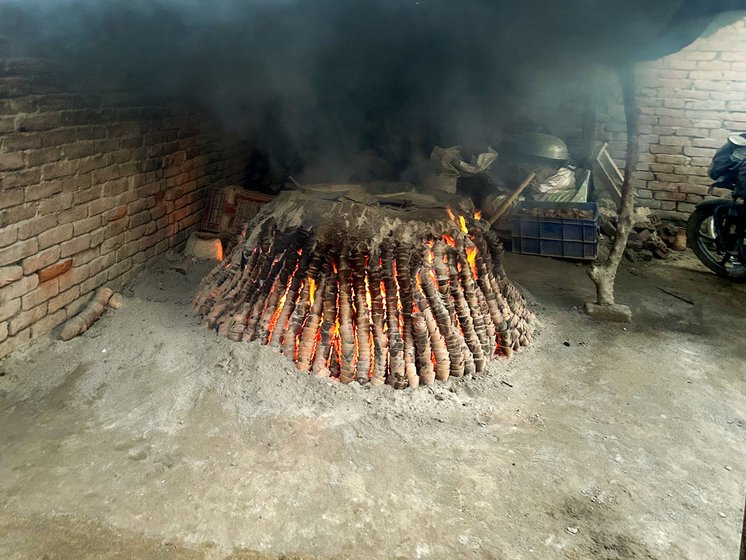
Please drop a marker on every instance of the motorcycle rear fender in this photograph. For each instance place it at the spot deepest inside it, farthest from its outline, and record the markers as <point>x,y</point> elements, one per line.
<point>713,203</point>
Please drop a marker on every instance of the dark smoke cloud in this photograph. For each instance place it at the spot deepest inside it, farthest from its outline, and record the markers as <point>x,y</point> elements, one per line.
<point>339,86</point>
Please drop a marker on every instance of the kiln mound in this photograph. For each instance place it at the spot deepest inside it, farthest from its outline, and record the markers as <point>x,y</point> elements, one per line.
<point>398,290</point>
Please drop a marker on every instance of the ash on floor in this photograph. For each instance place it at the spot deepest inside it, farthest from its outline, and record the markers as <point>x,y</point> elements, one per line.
<point>151,437</point>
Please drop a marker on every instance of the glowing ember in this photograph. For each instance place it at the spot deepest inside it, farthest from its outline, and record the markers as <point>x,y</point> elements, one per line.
<point>462,224</point>
<point>451,215</point>
<point>477,215</point>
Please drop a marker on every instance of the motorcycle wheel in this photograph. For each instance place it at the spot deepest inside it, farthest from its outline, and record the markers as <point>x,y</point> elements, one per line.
<point>701,236</point>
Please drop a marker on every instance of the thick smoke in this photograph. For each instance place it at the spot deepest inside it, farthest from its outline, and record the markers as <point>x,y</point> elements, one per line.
<point>342,88</point>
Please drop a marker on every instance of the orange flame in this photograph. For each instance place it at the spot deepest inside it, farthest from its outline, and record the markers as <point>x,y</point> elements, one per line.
<point>471,257</point>
<point>311,289</point>
<point>477,215</point>
<point>462,224</point>
<point>451,215</point>
<point>448,239</point>
<point>276,314</point>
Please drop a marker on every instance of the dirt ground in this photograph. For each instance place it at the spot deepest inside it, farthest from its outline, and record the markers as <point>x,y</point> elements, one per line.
<point>150,437</point>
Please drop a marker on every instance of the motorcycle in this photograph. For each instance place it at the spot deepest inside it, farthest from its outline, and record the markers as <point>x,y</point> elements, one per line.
<point>716,232</point>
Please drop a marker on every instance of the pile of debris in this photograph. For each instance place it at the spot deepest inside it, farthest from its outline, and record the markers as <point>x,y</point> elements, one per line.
<point>650,238</point>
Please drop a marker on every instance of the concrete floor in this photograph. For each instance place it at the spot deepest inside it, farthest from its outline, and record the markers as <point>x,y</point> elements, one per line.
<point>149,437</point>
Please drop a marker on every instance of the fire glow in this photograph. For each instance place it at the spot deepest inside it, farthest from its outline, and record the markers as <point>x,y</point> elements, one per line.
<point>401,312</point>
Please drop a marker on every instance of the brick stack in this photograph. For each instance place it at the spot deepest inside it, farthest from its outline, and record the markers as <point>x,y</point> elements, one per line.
<point>690,102</point>
<point>91,187</point>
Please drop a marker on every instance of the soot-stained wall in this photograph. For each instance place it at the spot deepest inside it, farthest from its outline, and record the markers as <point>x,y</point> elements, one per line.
<point>92,185</point>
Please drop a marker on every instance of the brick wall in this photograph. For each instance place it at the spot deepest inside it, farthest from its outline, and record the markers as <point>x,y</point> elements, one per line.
<point>690,102</point>
<point>92,185</point>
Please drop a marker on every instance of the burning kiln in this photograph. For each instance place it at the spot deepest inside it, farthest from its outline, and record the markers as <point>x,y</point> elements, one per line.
<point>352,288</point>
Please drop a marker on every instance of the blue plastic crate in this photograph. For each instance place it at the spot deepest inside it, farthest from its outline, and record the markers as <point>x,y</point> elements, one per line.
<point>568,238</point>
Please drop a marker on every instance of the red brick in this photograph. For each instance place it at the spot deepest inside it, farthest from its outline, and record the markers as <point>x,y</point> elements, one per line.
<point>73,214</point>
<point>19,179</point>
<point>55,270</point>
<point>19,288</point>
<point>15,342</point>
<point>48,323</point>
<point>91,132</point>
<point>40,294</point>
<point>8,235</point>
<point>75,245</point>
<point>101,205</point>
<point>11,162</point>
<point>660,195</point>
<point>85,256</point>
<point>101,263</point>
<point>9,308</point>
<point>667,177</point>
<point>58,137</point>
<point>659,186</point>
<point>10,274</point>
<point>139,219</point>
<point>76,183</point>
<point>685,207</point>
<point>693,189</point>
<point>675,141</point>
<point>41,259</point>
<point>55,236</point>
<point>21,142</point>
<point>35,226</point>
<point>712,143</point>
<point>691,151</point>
<point>11,198</point>
<point>79,149</point>
<point>157,212</point>
<point>42,156</point>
<point>106,174</point>
<point>58,169</point>
<point>27,318</point>
<point>722,95</point>
<point>115,187</point>
<point>87,225</point>
<point>18,251</point>
<point>92,163</point>
<point>128,249</point>
<point>94,282</point>
<point>112,244</point>
<point>63,299</point>
<point>119,268</point>
<point>115,228</point>
<point>116,213</point>
<point>670,150</point>
<point>86,195</point>
<point>40,121</point>
<point>43,190</point>
<point>73,277</point>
